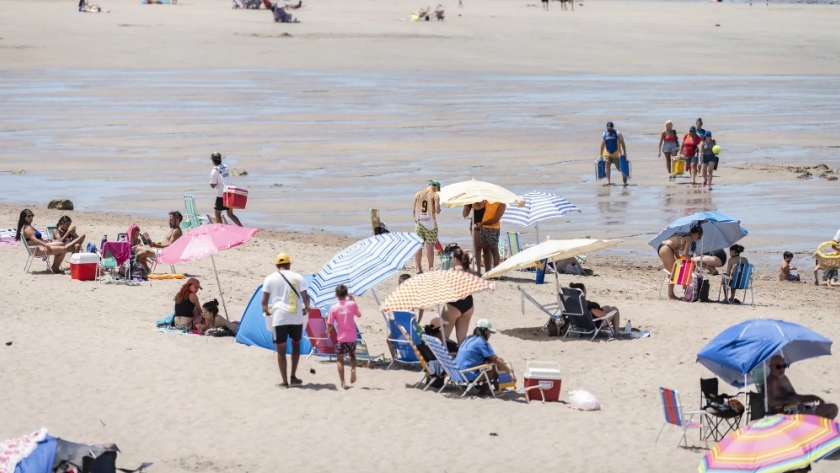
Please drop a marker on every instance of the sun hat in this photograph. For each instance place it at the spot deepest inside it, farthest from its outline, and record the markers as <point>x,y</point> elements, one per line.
<point>194,281</point>
<point>485,324</point>
<point>282,258</point>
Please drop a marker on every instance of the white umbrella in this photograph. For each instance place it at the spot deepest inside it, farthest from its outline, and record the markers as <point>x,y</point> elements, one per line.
<point>551,250</point>
<point>470,192</point>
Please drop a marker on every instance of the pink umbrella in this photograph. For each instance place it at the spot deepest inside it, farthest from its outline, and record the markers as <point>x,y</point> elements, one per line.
<point>206,240</point>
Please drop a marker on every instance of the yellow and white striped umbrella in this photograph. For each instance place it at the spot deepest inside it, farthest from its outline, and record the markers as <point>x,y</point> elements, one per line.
<point>434,287</point>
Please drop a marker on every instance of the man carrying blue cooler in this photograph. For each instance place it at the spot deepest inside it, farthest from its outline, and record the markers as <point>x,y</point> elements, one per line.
<point>612,148</point>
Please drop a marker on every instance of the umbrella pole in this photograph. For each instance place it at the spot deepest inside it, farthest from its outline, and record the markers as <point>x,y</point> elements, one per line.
<point>537,228</point>
<point>221,292</point>
<point>378,306</point>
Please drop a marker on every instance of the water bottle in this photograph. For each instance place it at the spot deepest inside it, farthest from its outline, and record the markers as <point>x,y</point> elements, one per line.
<point>628,327</point>
<point>104,239</point>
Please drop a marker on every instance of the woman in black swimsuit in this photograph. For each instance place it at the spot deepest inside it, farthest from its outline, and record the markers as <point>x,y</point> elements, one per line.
<point>38,245</point>
<point>678,246</point>
<point>477,217</point>
<point>65,232</point>
<point>457,314</point>
<point>711,260</point>
<point>187,305</point>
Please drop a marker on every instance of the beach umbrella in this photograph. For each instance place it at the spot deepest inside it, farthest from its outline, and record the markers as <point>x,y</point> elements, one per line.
<point>472,191</point>
<point>552,250</point>
<point>363,265</point>
<point>738,350</point>
<point>538,206</point>
<point>719,230</point>
<point>774,444</point>
<point>206,240</point>
<point>434,287</point>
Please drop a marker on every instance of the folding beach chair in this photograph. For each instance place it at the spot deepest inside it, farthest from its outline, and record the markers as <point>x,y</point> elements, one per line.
<point>675,416</point>
<point>721,416</point>
<point>456,376</point>
<point>403,322</point>
<point>194,220</point>
<point>554,310</point>
<point>580,319</point>
<point>363,356</point>
<point>31,253</point>
<point>741,279</point>
<point>755,404</point>
<point>49,235</point>
<point>427,380</point>
<point>681,275</point>
<point>109,263</point>
<point>316,329</point>
<point>512,246</point>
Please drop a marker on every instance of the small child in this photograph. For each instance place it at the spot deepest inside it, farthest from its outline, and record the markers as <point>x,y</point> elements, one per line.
<point>785,268</point>
<point>343,316</point>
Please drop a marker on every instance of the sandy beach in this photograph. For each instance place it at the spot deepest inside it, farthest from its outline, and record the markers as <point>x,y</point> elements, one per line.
<point>354,109</point>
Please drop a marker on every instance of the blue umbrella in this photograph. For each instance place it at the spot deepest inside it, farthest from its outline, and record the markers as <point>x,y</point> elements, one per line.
<point>738,350</point>
<point>719,230</point>
<point>363,265</point>
<point>538,206</point>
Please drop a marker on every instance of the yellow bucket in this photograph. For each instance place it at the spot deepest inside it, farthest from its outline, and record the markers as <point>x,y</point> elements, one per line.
<point>678,167</point>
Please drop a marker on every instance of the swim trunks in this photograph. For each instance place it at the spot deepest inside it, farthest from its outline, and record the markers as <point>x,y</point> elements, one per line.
<point>489,236</point>
<point>345,348</point>
<point>429,236</point>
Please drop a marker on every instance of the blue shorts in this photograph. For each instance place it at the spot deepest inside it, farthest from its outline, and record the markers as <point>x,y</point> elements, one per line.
<point>708,159</point>
<point>691,160</point>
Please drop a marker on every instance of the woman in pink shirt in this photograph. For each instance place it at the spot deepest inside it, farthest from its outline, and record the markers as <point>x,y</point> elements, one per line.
<point>343,315</point>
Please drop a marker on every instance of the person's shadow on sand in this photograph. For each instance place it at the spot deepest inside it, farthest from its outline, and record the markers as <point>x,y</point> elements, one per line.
<point>317,387</point>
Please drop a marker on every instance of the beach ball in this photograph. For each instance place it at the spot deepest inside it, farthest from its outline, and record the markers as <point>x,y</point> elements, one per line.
<point>716,149</point>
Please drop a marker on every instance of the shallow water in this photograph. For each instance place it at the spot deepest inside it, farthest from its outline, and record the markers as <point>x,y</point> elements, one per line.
<point>322,149</point>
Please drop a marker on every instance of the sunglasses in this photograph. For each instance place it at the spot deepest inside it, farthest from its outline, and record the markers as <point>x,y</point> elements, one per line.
<point>782,367</point>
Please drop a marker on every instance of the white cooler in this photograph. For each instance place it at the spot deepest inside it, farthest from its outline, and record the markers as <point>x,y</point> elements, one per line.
<point>545,376</point>
<point>83,266</point>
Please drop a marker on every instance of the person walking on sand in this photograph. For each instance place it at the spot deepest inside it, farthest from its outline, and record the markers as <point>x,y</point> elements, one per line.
<point>669,144</point>
<point>688,151</point>
<point>284,289</point>
<point>343,315</point>
<point>219,179</point>
<point>612,147</point>
<point>707,158</point>
<point>425,211</point>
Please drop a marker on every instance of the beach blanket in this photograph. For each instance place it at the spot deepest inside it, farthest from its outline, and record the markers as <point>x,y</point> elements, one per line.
<point>636,333</point>
<point>14,450</point>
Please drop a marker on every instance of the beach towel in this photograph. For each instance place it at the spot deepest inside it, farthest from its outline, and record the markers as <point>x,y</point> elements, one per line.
<point>120,250</point>
<point>166,321</point>
<point>13,451</point>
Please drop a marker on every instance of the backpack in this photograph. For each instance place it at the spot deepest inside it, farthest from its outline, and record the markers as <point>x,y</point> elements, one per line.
<point>705,286</point>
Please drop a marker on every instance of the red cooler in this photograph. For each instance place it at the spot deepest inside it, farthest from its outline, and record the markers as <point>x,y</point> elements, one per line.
<point>83,266</point>
<point>235,197</point>
<point>546,376</point>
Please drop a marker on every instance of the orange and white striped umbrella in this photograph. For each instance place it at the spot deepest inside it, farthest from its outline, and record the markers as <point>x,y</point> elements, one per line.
<point>434,287</point>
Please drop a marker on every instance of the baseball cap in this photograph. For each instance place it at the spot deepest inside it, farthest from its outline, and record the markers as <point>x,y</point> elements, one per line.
<point>433,182</point>
<point>610,125</point>
<point>485,324</point>
<point>194,281</point>
<point>282,258</point>
<point>708,134</point>
<point>692,128</point>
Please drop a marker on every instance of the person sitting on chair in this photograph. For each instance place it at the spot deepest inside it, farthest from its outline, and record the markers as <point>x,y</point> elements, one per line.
<point>151,249</point>
<point>65,232</point>
<point>735,259</point>
<point>433,329</point>
<point>476,351</point>
<point>780,394</point>
<point>39,244</point>
<point>439,14</point>
<point>597,311</point>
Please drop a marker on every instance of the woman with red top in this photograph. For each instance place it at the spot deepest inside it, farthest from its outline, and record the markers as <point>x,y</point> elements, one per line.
<point>668,144</point>
<point>688,150</point>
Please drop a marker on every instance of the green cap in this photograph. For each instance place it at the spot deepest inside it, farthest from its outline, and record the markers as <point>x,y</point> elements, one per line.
<point>485,324</point>
<point>435,183</point>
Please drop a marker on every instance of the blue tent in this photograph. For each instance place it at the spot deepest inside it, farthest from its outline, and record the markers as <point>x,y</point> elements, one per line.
<point>738,350</point>
<point>252,330</point>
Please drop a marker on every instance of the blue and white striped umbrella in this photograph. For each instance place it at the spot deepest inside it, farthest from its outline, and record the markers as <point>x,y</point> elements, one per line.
<point>363,265</point>
<point>538,206</point>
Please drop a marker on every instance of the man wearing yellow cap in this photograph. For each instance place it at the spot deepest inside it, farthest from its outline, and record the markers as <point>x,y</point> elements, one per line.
<point>285,290</point>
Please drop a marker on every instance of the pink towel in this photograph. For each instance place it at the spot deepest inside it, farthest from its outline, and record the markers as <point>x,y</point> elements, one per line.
<point>120,250</point>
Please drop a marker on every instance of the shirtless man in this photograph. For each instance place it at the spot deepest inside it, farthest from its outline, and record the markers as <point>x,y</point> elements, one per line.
<point>425,211</point>
<point>781,393</point>
<point>152,250</point>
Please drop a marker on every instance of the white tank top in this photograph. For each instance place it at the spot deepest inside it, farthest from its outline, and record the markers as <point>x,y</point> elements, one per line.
<point>424,208</point>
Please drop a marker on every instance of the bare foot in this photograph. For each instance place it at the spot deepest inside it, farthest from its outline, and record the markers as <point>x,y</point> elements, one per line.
<point>352,376</point>
<point>674,298</point>
<point>343,386</point>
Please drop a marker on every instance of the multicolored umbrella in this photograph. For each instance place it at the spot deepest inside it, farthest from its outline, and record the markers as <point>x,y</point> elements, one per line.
<point>434,287</point>
<point>774,444</point>
<point>206,240</point>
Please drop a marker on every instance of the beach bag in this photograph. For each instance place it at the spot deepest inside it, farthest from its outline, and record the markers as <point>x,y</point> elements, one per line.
<point>137,271</point>
<point>717,160</point>
<point>678,167</point>
<point>584,400</point>
<point>692,291</point>
<point>600,169</point>
<point>705,287</point>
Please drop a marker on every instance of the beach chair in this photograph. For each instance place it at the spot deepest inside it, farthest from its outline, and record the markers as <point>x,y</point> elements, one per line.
<point>363,355</point>
<point>675,416</point>
<point>456,377</point>
<point>109,263</point>
<point>554,310</point>
<point>31,256</point>
<point>316,329</point>
<point>741,279</point>
<point>580,319</point>
<point>49,235</point>
<point>194,220</point>
<point>427,380</point>
<point>681,275</point>
<point>512,247</point>
<point>401,322</point>
<point>755,404</point>
<point>721,416</point>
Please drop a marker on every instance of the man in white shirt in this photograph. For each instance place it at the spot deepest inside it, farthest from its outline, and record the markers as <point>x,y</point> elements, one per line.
<point>285,289</point>
<point>219,178</point>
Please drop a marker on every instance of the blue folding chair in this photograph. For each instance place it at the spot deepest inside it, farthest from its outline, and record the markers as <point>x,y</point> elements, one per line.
<point>741,279</point>
<point>401,350</point>
<point>456,377</point>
